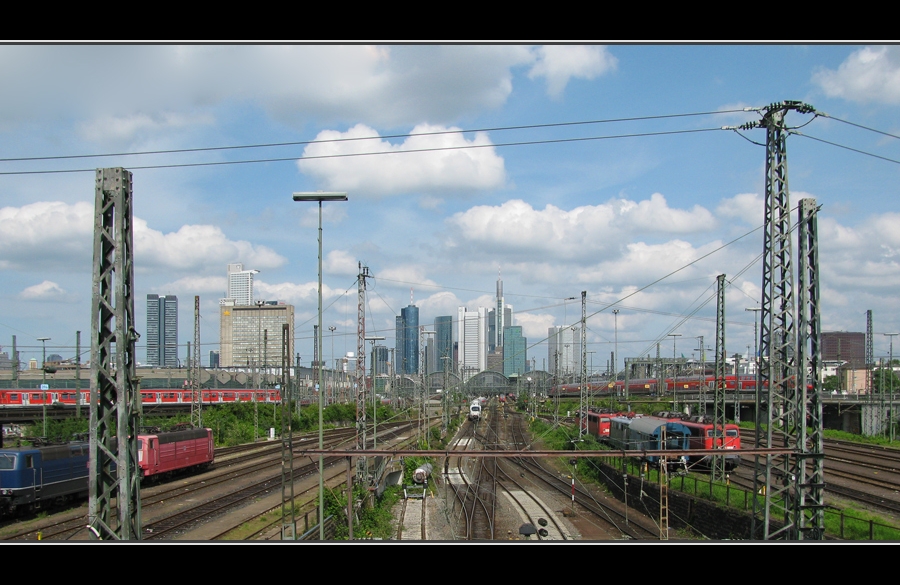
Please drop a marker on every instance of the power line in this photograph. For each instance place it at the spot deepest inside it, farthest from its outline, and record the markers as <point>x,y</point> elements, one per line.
<point>360,138</point>
<point>374,153</point>
<point>847,147</point>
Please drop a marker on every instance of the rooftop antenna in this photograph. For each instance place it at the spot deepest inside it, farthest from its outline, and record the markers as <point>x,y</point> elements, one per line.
<point>410,296</point>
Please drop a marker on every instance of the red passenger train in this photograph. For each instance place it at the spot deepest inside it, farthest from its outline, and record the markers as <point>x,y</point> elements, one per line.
<point>651,387</point>
<point>167,396</point>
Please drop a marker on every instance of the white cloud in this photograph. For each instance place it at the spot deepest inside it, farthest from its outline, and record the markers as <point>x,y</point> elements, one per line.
<point>747,207</point>
<point>197,285</point>
<point>534,326</point>
<point>45,291</point>
<point>197,247</point>
<point>404,171</point>
<point>515,227</point>
<point>117,128</point>
<point>340,262</point>
<point>385,85</point>
<point>47,234</point>
<point>871,74</point>
<point>293,294</point>
<point>559,63</point>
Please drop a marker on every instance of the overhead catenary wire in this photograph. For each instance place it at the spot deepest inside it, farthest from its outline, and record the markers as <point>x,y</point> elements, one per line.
<point>363,138</point>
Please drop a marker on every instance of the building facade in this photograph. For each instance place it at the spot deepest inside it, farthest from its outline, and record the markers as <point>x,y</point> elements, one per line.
<point>240,285</point>
<point>443,343</point>
<point>846,347</point>
<point>407,340</point>
<point>514,348</point>
<point>472,341</point>
<point>250,336</point>
<point>162,331</point>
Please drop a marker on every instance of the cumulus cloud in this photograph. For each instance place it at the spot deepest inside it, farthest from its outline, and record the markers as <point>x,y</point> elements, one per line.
<point>197,247</point>
<point>293,293</point>
<point>871,74</point>
<point>340,262</point>
<point>45,291</point>
<point>534,326</point>
<point>202,285</point>
<point>46,234</point>
<point>517,228</point>
<point>449,164</point>
<point>386,85</point>
<point>559,63</point>
<point>53,234</point>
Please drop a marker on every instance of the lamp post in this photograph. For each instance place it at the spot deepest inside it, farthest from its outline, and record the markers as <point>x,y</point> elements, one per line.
<point>320,197</point>
<point>44,341</point>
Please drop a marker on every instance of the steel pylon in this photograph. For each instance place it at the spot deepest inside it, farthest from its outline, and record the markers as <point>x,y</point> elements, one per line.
<point>115,402</point>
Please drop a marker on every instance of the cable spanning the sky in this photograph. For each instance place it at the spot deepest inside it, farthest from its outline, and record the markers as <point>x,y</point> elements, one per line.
<point>415,150</point>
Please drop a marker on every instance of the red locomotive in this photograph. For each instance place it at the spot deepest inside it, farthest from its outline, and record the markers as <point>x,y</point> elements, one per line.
<point>161,454</point>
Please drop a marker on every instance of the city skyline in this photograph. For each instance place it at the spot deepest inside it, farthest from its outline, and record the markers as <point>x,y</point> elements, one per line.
<point>616,170</point>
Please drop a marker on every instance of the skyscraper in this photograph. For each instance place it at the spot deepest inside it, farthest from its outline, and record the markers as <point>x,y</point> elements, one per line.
<point>162,331</point>
<point>240,285</point>
<point>514,347</point>
<point>472,340</point>
<point>407,340</point>
<point>443,338</point>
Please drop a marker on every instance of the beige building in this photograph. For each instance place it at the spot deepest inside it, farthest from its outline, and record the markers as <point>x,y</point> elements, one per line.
<point>251,335</point>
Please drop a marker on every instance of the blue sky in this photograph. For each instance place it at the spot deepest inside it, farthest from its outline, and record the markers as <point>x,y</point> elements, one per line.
<point>605,216</point>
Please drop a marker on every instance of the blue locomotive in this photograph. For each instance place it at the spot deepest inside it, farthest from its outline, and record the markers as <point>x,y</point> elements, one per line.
<point>649,433</point>
<point>33,476</point>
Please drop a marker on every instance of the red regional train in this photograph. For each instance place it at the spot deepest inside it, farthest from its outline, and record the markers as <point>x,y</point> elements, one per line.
<point>167,396</point>
<point>650,386</point>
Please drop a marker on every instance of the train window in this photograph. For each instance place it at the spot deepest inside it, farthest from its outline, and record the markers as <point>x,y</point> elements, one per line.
<point>14,396</point>
<point>731,432</point>
<point>29,461</point>
<point>7,461</point>
<point>710,433</point>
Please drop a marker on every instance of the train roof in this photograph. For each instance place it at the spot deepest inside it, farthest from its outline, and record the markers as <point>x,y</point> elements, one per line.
<point>651,425</point>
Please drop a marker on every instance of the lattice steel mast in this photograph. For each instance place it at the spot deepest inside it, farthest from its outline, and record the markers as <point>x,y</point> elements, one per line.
<point>114,473</point>
<point>288,520</point>
<point>361,370</point>
<point>196,392</point>
<point>776,479</point>
<point>809,505</point>
<point>582,425</point>
<point>719,396</point>
<point>870,355</point>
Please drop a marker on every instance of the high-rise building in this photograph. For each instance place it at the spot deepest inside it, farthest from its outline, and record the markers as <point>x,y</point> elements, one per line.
<point>251,336</point>
<point>846,347</point>
<point>380,359</point>
<point>514,347</point>
<point>443,343</point>
<point>240,285</point>
<point>472,340</point>
<point>162,331</point>
<point>407,340</point>
<point>564,350</point>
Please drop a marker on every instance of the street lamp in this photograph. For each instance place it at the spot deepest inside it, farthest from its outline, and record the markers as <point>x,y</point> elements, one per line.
<point>44,341</point>
<point>320,197</point>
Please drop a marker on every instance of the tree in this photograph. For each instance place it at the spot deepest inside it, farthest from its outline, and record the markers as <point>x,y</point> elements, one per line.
<point>881,378</point>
